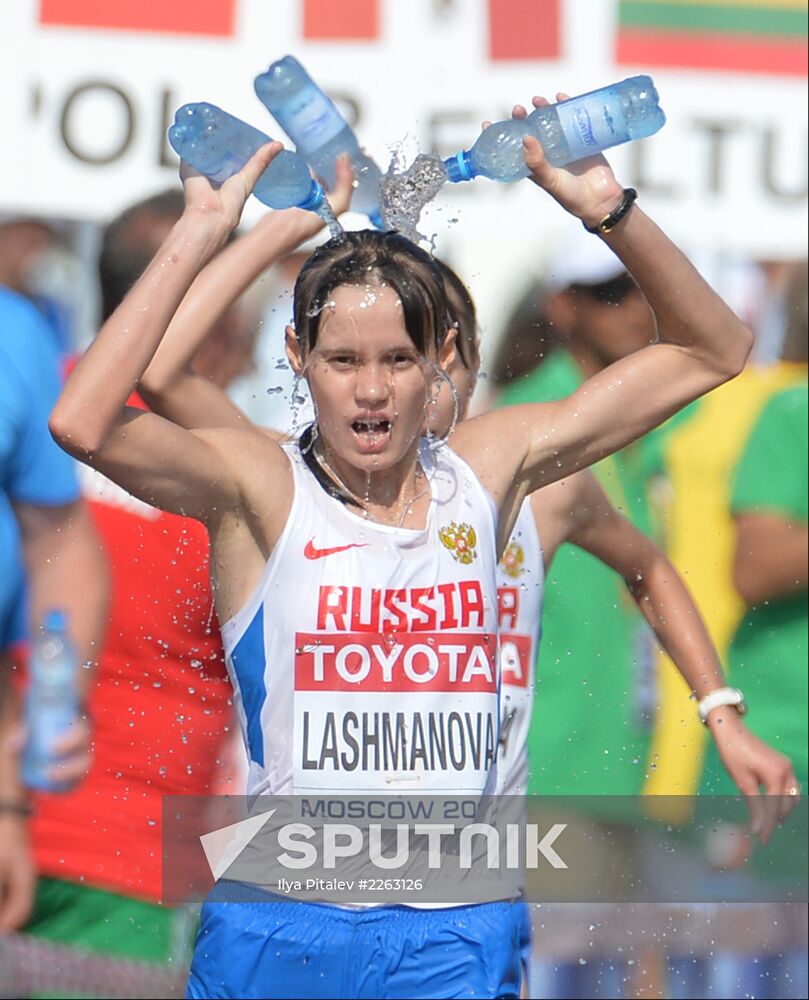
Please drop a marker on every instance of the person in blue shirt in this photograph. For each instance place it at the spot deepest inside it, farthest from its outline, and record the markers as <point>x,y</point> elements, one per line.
<point>49,557</point>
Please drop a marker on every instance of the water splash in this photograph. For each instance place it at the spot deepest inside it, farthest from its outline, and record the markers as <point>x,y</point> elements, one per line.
<point>367,495</point>
<point>296,403</point>
<point>436,440</point>
<point>404,193</point>
<point>326,213</point>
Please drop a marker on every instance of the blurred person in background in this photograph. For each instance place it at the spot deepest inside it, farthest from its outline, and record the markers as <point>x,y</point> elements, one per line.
<point>771,312</point>
<point>37,262</point>
<point>50,556</point>
<point>16,865</point>
<point>529,337</point>
<point>57,542</point>
<point>768,503</point>
<point>594,669</point>
<point>698,451</point>
<point>767,656</point>
<point>162,702</point>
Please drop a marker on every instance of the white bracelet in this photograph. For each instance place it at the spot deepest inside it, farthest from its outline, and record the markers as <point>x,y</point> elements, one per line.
<point>722,696</point>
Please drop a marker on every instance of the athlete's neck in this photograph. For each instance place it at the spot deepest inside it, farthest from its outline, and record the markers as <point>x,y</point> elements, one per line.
<point>399,495</point>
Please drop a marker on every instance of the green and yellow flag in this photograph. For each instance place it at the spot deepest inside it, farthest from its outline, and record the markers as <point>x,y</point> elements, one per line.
<point>753,36</point>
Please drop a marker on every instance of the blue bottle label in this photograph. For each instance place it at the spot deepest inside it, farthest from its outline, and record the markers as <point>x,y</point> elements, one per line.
<point>592,123</point>
<point>310,119</point>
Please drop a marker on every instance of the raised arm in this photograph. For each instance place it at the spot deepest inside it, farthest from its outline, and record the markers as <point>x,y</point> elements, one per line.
<point>169,385</point>
<point>156,460</point>
<point>701,344</point>
<point>594,525</point>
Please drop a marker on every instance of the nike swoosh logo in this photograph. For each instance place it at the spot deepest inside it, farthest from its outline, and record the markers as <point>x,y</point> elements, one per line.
<point>310,552</point>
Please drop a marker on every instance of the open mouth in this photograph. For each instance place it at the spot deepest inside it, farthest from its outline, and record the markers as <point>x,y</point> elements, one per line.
<point>371,428</point>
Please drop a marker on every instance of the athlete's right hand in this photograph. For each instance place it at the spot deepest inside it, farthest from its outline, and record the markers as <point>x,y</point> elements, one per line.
<point>304,225</point>
<point>223,204</point>
<point>586,188</point>
<point>755,766</point>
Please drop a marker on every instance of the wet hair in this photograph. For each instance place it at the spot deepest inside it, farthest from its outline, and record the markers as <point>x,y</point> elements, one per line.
<point>358,257</point>
<point>795,346</point>
<point>463,317</point>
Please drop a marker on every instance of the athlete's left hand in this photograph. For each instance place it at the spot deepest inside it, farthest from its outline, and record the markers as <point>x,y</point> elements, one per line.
<point>221,205</point>
<point>586,188</point>
<point>764,776</point>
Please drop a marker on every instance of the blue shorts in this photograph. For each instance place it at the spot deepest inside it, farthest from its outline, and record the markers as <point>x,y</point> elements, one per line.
<point>274,947</point>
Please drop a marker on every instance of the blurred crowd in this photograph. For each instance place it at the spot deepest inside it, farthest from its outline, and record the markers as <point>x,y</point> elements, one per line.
<point>722,488</point>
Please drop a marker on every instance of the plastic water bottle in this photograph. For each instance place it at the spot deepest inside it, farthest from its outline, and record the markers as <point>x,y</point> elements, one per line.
<point>319,131</point>
<point>52,700</point>
<point>568,131</point>
<point>219,144</point>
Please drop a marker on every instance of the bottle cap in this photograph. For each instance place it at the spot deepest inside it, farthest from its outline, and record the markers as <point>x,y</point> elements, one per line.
<point>315,198</point>
<point>459,167</point>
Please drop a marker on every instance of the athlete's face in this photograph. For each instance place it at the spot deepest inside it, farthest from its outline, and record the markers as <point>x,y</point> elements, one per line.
<point>368,381</point>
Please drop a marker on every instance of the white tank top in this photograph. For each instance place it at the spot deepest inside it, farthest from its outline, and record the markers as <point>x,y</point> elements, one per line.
<point>366,659</point>
<point>520,582</point>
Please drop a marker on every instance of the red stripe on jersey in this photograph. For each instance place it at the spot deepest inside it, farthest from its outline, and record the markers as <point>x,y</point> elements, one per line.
<point>184,17</point>
<point>525,29</point>
<point>350,20</point>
